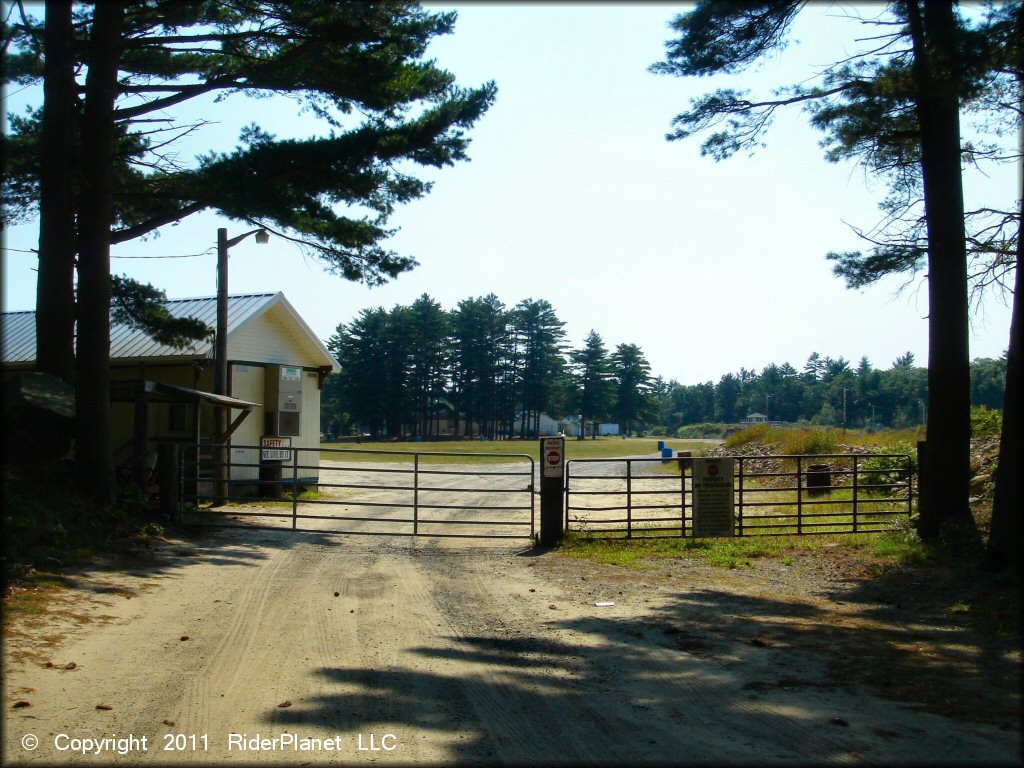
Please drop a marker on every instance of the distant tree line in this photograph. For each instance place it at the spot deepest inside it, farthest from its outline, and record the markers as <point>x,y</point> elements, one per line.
<point>480,369</point>
<point>826,391</point>
<point>486,369</point>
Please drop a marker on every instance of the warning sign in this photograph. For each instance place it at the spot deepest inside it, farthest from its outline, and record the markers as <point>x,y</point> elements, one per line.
<point>552,455</point>
<point>275,448</point>
<point>713,497</point>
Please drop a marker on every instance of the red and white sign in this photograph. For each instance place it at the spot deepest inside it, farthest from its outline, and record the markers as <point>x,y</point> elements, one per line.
<point>553,456</point>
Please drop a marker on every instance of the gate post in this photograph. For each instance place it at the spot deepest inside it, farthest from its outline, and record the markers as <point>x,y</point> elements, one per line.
<point>552,490</point>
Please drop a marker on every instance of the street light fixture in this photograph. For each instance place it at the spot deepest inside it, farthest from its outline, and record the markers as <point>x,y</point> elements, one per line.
<point>220,367</point>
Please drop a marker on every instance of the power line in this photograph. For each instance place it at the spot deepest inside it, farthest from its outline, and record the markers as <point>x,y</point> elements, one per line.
<point>207,252</point>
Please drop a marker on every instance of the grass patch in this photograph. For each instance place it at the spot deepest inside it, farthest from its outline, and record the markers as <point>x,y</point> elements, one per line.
<point>897,550</point>
<point>899,547</point>
<point>286,498</point>
<point>723,553</point>
<point>902,545</point>
<point>468,450</point>
<point>33,595</point>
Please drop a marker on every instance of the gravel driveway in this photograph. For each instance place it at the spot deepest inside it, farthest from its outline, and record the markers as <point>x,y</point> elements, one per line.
<point>279,646</point>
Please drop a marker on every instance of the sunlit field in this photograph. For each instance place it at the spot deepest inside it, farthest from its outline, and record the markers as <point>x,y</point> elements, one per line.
<point>602,447</point>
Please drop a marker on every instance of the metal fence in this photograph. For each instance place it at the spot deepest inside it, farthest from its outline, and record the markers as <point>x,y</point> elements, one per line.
<point>774,495</point>
<point>355,491</point>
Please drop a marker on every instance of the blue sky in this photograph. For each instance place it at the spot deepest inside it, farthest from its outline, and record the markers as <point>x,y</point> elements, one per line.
<point>573,195</point>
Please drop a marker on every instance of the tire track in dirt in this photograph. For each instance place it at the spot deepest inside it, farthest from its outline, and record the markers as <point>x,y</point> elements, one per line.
<point>518,711</point>
<point>220,669</point>
<point>455,648</point>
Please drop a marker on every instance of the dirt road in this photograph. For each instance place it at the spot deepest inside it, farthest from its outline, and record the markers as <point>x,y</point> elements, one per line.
<point>277,646</point>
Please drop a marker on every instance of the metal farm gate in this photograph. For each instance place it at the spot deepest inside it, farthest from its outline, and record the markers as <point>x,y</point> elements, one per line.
<point>353,491</point>
<point>774,495</point>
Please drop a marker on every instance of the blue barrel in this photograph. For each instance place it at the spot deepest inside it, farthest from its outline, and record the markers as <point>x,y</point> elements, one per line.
<point>661,445</point>
<point>666,455</point>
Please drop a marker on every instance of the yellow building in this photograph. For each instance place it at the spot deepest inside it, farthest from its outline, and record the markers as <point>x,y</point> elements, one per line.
<point>276,368</point>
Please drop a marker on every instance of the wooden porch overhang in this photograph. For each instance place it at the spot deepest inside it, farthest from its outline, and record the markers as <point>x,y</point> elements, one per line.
<point>143,392</point>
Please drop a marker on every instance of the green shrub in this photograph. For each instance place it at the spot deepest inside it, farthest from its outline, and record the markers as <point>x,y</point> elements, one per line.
<point>44,520</point>
<point>152,530</point>
<point>881,469</point>
<point>985,422</point>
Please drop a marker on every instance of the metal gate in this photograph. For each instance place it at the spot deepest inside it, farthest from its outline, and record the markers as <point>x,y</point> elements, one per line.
<point>353,491</point>
<point>774,495</point>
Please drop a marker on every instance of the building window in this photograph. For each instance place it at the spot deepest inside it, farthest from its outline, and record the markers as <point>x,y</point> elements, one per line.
<point>177,417</point>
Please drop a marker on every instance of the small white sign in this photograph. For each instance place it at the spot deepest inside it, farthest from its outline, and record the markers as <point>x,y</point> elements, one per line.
<point>552,456</point>
<point>713,497</point>
<point>289,373</point>
<point>275,448</point>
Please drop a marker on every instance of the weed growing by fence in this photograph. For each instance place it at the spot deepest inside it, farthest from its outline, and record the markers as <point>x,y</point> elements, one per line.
<point>901,546</point>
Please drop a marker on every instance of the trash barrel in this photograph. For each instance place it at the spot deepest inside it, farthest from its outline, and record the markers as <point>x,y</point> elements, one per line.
<point>819,479</point>
<point>666,455</point>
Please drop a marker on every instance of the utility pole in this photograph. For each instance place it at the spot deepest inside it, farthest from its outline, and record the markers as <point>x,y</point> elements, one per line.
<point>220,356</point>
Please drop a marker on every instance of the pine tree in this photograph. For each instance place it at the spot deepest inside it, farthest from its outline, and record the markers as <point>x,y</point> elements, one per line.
<point>896,108</point>
<point>593,396</point>
<point>631,374</point>
<point>339,59</point>
<point>540,337</point>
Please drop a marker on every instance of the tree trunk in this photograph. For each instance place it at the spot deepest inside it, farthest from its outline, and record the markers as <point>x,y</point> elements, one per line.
<point>944,497</point>
<point>1006,539</point>
<point>55,283</point>
<point>94,467</point>
<point>1004,542</point>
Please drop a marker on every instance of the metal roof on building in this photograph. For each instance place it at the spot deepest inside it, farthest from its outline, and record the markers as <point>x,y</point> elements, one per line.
<point>128,342</point>
<point>18,334</point>
<point>18,330</point>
